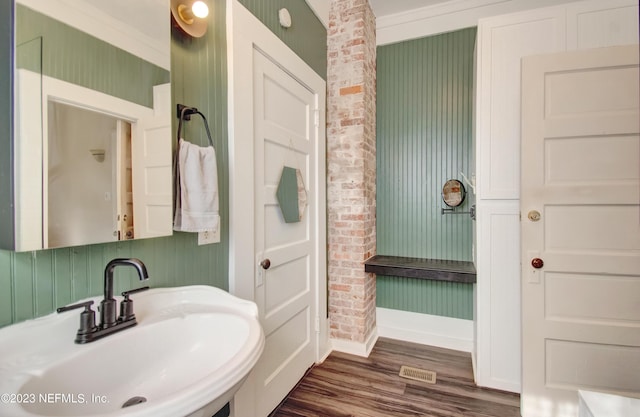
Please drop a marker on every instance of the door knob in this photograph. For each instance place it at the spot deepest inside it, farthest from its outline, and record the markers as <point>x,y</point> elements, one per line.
<point>537,263</point>
<point>265,263</point>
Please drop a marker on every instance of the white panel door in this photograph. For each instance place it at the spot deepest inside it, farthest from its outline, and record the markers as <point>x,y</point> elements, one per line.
<point>581,221</point>
<point>285,132</point>
<point>151,171</point>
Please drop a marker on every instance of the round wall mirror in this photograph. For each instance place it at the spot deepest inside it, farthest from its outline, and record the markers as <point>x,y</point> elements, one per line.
<point>453,193</point>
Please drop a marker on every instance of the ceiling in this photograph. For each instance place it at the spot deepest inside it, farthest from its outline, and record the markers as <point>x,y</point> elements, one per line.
<point>386,7</point>
<point>381,8</point>
<point>130,11</point>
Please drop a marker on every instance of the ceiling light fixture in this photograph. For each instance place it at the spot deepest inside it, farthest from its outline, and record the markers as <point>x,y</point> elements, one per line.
<point>190,16</point>
<point>200,9</point>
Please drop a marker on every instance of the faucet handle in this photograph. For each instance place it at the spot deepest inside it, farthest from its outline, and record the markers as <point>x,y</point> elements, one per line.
<point>87,319</point>
<point>126,305</point>
<point>87,307</point>
<point>126,294</point>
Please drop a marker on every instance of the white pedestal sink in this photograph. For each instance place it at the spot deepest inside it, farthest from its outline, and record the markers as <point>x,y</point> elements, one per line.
<point>191,351</point>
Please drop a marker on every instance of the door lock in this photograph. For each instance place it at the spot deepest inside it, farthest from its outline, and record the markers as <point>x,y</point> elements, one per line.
<point>534,215</point>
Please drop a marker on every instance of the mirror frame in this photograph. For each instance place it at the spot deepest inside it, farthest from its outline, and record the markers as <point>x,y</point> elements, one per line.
<point>7,48</point>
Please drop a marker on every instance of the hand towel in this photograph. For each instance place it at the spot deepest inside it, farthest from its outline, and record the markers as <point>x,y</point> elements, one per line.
<point>197,193</point>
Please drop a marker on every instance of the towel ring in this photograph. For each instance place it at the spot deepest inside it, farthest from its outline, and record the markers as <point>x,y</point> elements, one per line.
<point>184,113</point>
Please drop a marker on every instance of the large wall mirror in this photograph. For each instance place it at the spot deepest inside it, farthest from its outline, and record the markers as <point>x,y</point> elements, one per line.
<point>92,122</point>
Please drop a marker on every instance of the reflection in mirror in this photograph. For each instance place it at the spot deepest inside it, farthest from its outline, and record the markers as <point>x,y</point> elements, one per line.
<point>89,177</point>
<point>453,193</point>
<point>93,122</point>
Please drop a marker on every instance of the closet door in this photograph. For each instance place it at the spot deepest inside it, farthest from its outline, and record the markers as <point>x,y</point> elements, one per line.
<point>502,42</point>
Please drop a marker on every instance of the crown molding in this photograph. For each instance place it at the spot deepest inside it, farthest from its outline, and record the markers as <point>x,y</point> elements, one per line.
<point>99,24</point>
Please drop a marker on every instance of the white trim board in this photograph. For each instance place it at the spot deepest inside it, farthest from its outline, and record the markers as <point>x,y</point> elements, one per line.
<point>444,332</point>
<point>447,17</point>
<point>356,348</point>
<point>88,18</point>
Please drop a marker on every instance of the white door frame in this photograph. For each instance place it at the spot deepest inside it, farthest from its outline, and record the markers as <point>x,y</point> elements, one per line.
<point>244,34</point>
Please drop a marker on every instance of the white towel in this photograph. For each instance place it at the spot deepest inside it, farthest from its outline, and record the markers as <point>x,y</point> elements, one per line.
<point>197,196</point>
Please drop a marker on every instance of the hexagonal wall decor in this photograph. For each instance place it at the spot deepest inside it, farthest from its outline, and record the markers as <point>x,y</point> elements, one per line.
<point>291,195</point>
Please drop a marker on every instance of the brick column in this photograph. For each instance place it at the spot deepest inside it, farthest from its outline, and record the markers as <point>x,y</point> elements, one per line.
<point>351,159</point>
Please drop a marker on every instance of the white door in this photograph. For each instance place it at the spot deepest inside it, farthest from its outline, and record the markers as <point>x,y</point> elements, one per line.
<point>151,170</point>
<point>276,106</point>
<point>581,219</point>
<point>284,135</point>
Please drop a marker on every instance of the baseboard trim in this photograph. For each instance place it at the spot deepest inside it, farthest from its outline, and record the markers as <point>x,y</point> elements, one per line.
<point>325,355</point>
<point>356,348</point>
<point>445,332</point>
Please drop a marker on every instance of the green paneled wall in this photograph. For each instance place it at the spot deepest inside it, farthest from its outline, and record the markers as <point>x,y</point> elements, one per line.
<point>34,283</point>
<point>424,128</point>
<point>437,297</point>
<point>307,36</point>
<point>29,55</point>
<point>6,124</point>
<point>76,57</point>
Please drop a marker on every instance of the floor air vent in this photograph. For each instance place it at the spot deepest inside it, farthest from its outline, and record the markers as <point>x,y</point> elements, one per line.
<point>418,374</point>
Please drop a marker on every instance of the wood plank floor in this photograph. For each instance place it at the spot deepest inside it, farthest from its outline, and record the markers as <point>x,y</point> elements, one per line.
<point>351,386</point>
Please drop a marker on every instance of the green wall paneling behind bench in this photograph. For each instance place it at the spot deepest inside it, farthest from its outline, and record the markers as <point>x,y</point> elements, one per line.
<point>439,298</point>
<point>76,57</point>
<point>32,284</point>
<point>424,137</point>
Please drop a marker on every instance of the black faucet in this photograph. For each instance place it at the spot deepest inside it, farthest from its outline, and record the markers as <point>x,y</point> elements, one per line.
<point>108,306</point>
<point>110,322</point>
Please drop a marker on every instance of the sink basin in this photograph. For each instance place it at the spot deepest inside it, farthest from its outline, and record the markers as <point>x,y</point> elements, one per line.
<point>191,351</point>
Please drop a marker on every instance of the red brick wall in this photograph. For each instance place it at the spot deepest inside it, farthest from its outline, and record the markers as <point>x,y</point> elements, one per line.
<point>351,160</point>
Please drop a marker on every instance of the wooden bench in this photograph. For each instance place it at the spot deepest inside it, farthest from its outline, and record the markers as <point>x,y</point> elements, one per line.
<point>420,268</point>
